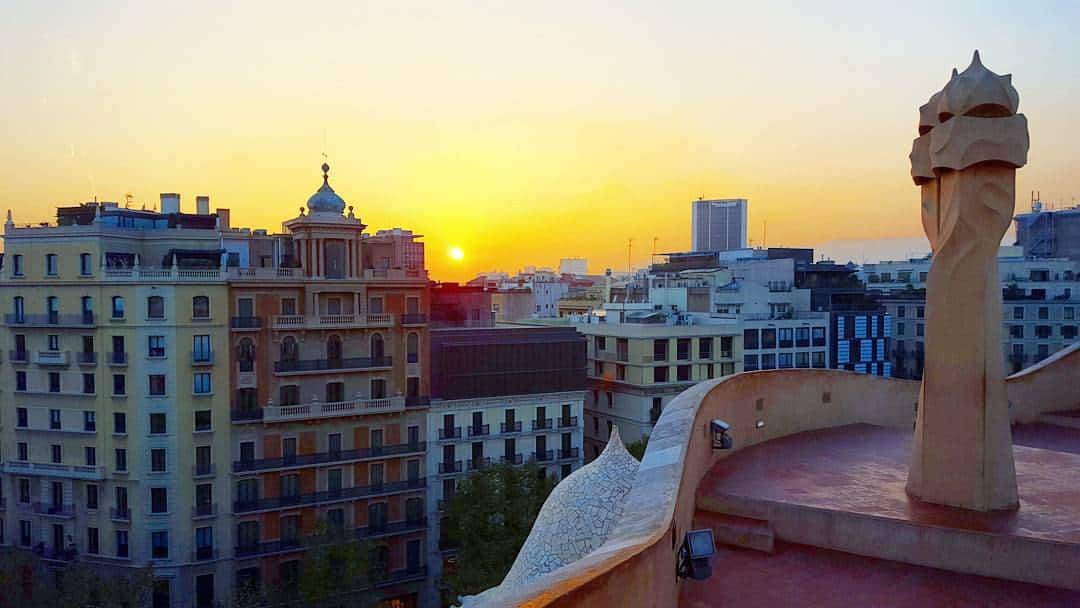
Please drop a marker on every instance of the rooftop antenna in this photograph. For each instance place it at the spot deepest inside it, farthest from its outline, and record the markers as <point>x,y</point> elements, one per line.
<point>629,248</point>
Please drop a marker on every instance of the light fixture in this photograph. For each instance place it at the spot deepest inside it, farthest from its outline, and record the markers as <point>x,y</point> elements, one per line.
<point>720,439</point>
<point>694,554</point>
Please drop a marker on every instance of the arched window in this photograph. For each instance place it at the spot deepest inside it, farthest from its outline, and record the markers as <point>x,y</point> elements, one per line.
<point>245,354</point>
<point>289,350</point>
<point>200,307</point>
<point>333,350</point>
<point>412,347</point>
<point>377,351</point>
<point>117,307</point>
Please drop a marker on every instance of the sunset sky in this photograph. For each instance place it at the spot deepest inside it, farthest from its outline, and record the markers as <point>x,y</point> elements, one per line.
<point>519,132</point>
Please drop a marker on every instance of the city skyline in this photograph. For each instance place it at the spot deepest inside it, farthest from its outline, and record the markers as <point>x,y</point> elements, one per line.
<point>620,117</point>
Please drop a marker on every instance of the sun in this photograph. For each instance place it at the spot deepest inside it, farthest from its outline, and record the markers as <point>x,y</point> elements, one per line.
<point>456,254</point>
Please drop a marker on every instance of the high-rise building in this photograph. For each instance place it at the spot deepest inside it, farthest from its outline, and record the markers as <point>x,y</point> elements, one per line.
<point>718,224</point>
<point>202,399</point>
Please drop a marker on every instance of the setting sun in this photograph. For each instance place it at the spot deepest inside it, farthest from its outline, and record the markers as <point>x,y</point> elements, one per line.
<point>457,254</point>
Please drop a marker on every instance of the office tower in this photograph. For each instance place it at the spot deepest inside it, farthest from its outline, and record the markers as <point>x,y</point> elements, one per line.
<point>719,224</point>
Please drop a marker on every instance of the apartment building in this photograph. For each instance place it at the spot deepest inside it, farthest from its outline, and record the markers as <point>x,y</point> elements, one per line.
<point>1040,303</point>
<point>330,347</point>
<point>115,430</point>
<point>201,399</point>
<point>508,394</point>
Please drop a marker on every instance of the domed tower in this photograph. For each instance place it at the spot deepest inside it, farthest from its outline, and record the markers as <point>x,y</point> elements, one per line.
<point>327,242</point>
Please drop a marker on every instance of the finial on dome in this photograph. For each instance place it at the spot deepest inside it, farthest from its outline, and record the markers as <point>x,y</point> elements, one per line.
<point>301,211</point>
<point>325,173</point>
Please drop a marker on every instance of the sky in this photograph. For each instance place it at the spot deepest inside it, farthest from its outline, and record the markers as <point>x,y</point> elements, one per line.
<point>520,132</point>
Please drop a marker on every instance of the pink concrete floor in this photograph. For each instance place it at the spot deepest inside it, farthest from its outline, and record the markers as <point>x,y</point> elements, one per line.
<point>797,575</point>
<point>863,469</point>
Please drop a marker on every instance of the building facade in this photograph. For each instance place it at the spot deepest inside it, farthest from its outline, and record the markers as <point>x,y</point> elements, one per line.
<point>718,224</point>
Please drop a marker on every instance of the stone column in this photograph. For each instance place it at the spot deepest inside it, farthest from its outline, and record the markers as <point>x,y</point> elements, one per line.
<point>971,143</point>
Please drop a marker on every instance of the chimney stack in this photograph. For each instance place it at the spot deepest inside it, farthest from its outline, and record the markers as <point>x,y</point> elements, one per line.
<point>202,205</point>
<point>223,218</point>
<point>170,202</point>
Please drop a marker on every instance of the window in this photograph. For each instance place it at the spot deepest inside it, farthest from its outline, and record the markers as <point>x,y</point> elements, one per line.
<point>19,309</point>
<point>155,307</point>
<point>660,374</point>
<point>900,312</point>
<point>200,349</point>
<point>160,550</point>
<point>54,419</point>
<point>155,346</point>
<point>802,359</point>
<point>88,387</point>
<point>1068,313</point>
<point>785,360</point>
<point>920,312</point>
<point>203,460</point>
<point>92,496</point>
<point>57,454</point>
<point>54,382</point>
<point>290,486</point>
<point>247,491</point>
<point>204,542</point>
<point>1044,312</point>
<point>768,361</point>
<point>289,350</point>
<point>157,384</point>
<point>24,532</point>
<point>1016,332</point>
<point>819,359</point>
<point>683,373</point>
<point>157,460</point>
<point>1042,332</point>
<point>157,424</point>
<point>245,354</point>
<point>119,384</point>
<point>121,459</point>
<point>247,451</point>
<point>1018,312</point>
<point>802,336</point>
<point>24,490</point>
<point>378,388</point>
<point>377,349</point>
<point>412,348</point>
<point>121,543</point>
<point>289,394</point>
<point>159,500</point>
<point>818,336</point>
<point>919,329</point>
<point>682,349</point>
<point>117,307</point>
<point>20,380</point>
<point>200,307</point>
<point>119,423</point>
<point>786,337</point>
<point>656,409</point>
<point>768,338</point>
<point>51,265</point>
<point>202,383</point>
<point>90,455</point>
<point>21,418</point>
<point>84,264</point>
<point>17,265</point>
<point>599,343</point>
<point>660,348</point>
<point>203,420</point>
<point>705,349</point>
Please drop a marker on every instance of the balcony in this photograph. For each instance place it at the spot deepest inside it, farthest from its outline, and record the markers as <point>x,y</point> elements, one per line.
<point>204,469</point>
<point>54,510</point>
<point>329,496</point>
<point>390,529</point>
<point>450,468</point>
<point>48,469</point>
<point>19,356</point>
<point>245,323</point>
<point>86,359</point>
<point>118,359</point>
<point>51,357</point>
<point>338,321</point>
<point>567,422</point>
<point>510,427</point>
<point>120,514</point>
<point>571,454</point>
<point>204,510</point>
<point>542,425</point>
<point>303,460</point>
<point>449,433</point>
<point>54,554</point>
<point>545,456</point>
<point>475,464</point>
<point>412,318</point>
<point>316,410</point>
<point>479,430</point>
<point>202,357</point>
<point>268,548</point>
<point>202,554</point>
<point>299,366</point>
<point>51,320</point>
<point>512,459</point>
<point>417,401</point>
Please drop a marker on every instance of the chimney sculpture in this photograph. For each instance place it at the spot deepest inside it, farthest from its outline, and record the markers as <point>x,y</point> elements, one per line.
<point>971,141</point>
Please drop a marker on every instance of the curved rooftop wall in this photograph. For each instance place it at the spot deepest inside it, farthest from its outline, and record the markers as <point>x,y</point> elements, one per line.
<point>636,565</point>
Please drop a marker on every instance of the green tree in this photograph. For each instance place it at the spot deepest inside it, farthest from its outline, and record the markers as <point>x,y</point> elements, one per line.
<point>30,582</point>
<point>334,572</point>
<point>488,520</point>
<point>637,448</point>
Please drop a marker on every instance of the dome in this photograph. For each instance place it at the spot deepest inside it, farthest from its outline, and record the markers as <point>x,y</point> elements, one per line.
<point>325,200</point>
